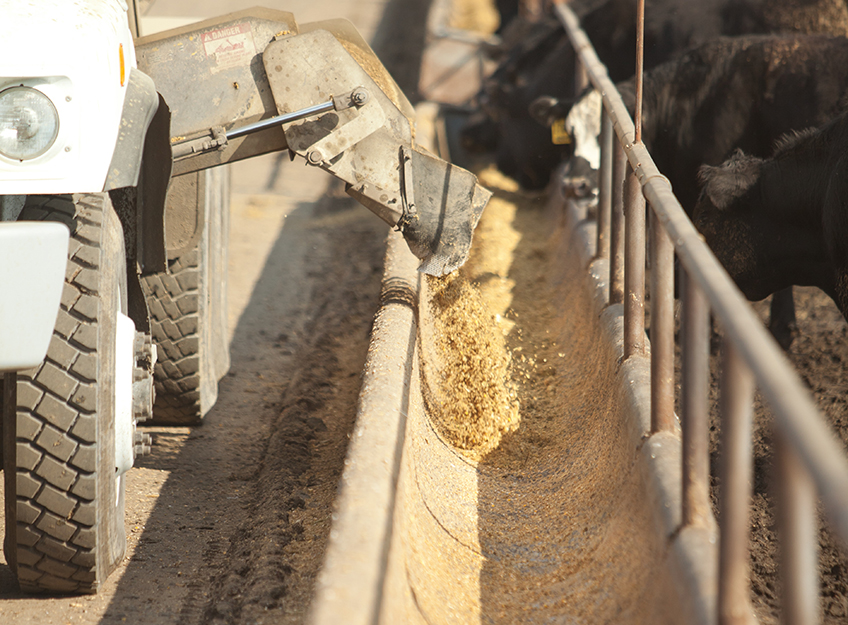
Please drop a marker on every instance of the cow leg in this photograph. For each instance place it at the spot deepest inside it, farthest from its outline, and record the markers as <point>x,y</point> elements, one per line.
<point>782,323</point>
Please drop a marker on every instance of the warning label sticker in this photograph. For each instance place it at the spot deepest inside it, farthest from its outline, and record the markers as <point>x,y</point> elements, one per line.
<point>229,47</point>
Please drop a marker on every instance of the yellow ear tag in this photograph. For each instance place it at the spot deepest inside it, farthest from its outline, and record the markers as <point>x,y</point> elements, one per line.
<point>559,135</point>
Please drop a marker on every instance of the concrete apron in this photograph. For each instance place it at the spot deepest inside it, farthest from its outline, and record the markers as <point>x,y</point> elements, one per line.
<point>412,535</point>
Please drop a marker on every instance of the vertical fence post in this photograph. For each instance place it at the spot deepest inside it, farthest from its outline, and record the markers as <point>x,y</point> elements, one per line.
<point>619,171</point>
<point>662,328</point>
<point>798,539</point>
<point>634,266</point>
<point>694,397</point>
<point>605,186</point>
<point>640,64</point>
<point>737,392</point>
<point>634,211</point>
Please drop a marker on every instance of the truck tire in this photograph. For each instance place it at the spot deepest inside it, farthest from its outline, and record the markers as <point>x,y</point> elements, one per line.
<point>64,500</point>
<point>188,314</point>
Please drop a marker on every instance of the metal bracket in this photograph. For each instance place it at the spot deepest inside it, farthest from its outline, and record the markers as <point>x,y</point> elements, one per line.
<point>407,193</point>
<point>357,97</point>
<point>216,139</point>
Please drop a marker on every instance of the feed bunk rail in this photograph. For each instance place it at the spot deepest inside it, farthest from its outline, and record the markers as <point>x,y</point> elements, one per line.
<point>809,457</point>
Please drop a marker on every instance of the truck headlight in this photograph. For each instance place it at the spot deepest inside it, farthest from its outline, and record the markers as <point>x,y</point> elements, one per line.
<point>29,123</point>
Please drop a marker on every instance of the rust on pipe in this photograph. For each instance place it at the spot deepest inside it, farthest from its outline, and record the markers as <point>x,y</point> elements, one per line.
<point>634,267</point>
<point>619,171</point>
<point>693,401</point>
<point>640,65</point>
<point>662,329</point>
<point>605,188</point>
<point>798,539</point>
<point>737,394</point>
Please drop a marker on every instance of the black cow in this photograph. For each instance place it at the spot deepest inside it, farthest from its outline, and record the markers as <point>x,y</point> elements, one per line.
<point>736,92</point>
<point>782,221</point>
<point>546,67</point>
<point>502,100</point>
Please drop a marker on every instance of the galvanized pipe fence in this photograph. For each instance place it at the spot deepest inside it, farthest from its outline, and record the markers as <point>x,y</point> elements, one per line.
<point>812,464</point>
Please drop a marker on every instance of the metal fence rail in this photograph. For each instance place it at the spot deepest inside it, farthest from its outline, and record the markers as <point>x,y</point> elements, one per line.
<point>810,458</point>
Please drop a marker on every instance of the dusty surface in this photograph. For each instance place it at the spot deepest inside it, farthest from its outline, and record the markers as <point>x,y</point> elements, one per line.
<point>228,522</point>
<point>820,354</point>
<point>548,526</point>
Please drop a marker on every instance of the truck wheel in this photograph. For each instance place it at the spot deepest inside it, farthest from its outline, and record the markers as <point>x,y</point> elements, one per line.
<point>64,498</point>
<point>188,310</point>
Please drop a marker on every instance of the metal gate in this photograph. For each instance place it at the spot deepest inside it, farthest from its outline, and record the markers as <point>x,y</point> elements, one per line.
<point>811,462</point>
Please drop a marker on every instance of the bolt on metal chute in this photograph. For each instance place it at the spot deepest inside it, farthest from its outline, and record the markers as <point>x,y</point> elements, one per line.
<point>321,93</point>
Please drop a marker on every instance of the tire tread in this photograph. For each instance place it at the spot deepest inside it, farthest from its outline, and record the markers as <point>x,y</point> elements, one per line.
<point>55,433</point>
<point>174,325</point>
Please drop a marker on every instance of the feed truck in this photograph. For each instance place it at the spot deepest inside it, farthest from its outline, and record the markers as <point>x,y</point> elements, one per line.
<point>113,233</point>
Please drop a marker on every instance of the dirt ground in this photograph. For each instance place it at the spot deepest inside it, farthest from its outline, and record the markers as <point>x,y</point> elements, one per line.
<point>227,522</point>
<point>820,354</point>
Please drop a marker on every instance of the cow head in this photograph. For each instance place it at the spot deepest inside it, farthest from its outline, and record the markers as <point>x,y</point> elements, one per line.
<point>525,150</point>
<point>582,121</point>
<point>724,217</point>
<point>736,214</point>
<point>729,181</point>
<point>580,179</point>
<point>546,109</point>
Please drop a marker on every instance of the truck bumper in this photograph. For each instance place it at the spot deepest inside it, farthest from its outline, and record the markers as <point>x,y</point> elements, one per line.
<point>33,257</point>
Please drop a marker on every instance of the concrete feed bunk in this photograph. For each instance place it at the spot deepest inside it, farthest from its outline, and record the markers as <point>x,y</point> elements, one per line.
<point>517,486</point>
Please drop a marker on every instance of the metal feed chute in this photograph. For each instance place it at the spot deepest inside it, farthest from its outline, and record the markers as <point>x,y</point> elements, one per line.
<point>338,108</point>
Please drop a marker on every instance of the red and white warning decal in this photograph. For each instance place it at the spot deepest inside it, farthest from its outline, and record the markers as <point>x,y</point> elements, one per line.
<point>229,47</point>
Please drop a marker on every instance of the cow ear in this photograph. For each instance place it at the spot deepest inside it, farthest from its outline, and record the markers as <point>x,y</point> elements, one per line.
<point>731,179</point>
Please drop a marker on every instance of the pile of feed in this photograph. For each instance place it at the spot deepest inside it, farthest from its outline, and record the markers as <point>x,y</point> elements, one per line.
<point>467,385</point>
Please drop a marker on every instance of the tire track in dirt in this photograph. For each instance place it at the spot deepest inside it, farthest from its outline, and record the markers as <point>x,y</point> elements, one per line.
<point>276,551</point>
<point>275,554</point>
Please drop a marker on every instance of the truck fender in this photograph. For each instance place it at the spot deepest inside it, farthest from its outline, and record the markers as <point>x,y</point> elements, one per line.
<point>156,168</point>
<point>140,105</point>
<point>141,202</point>
<point>139,199</point>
